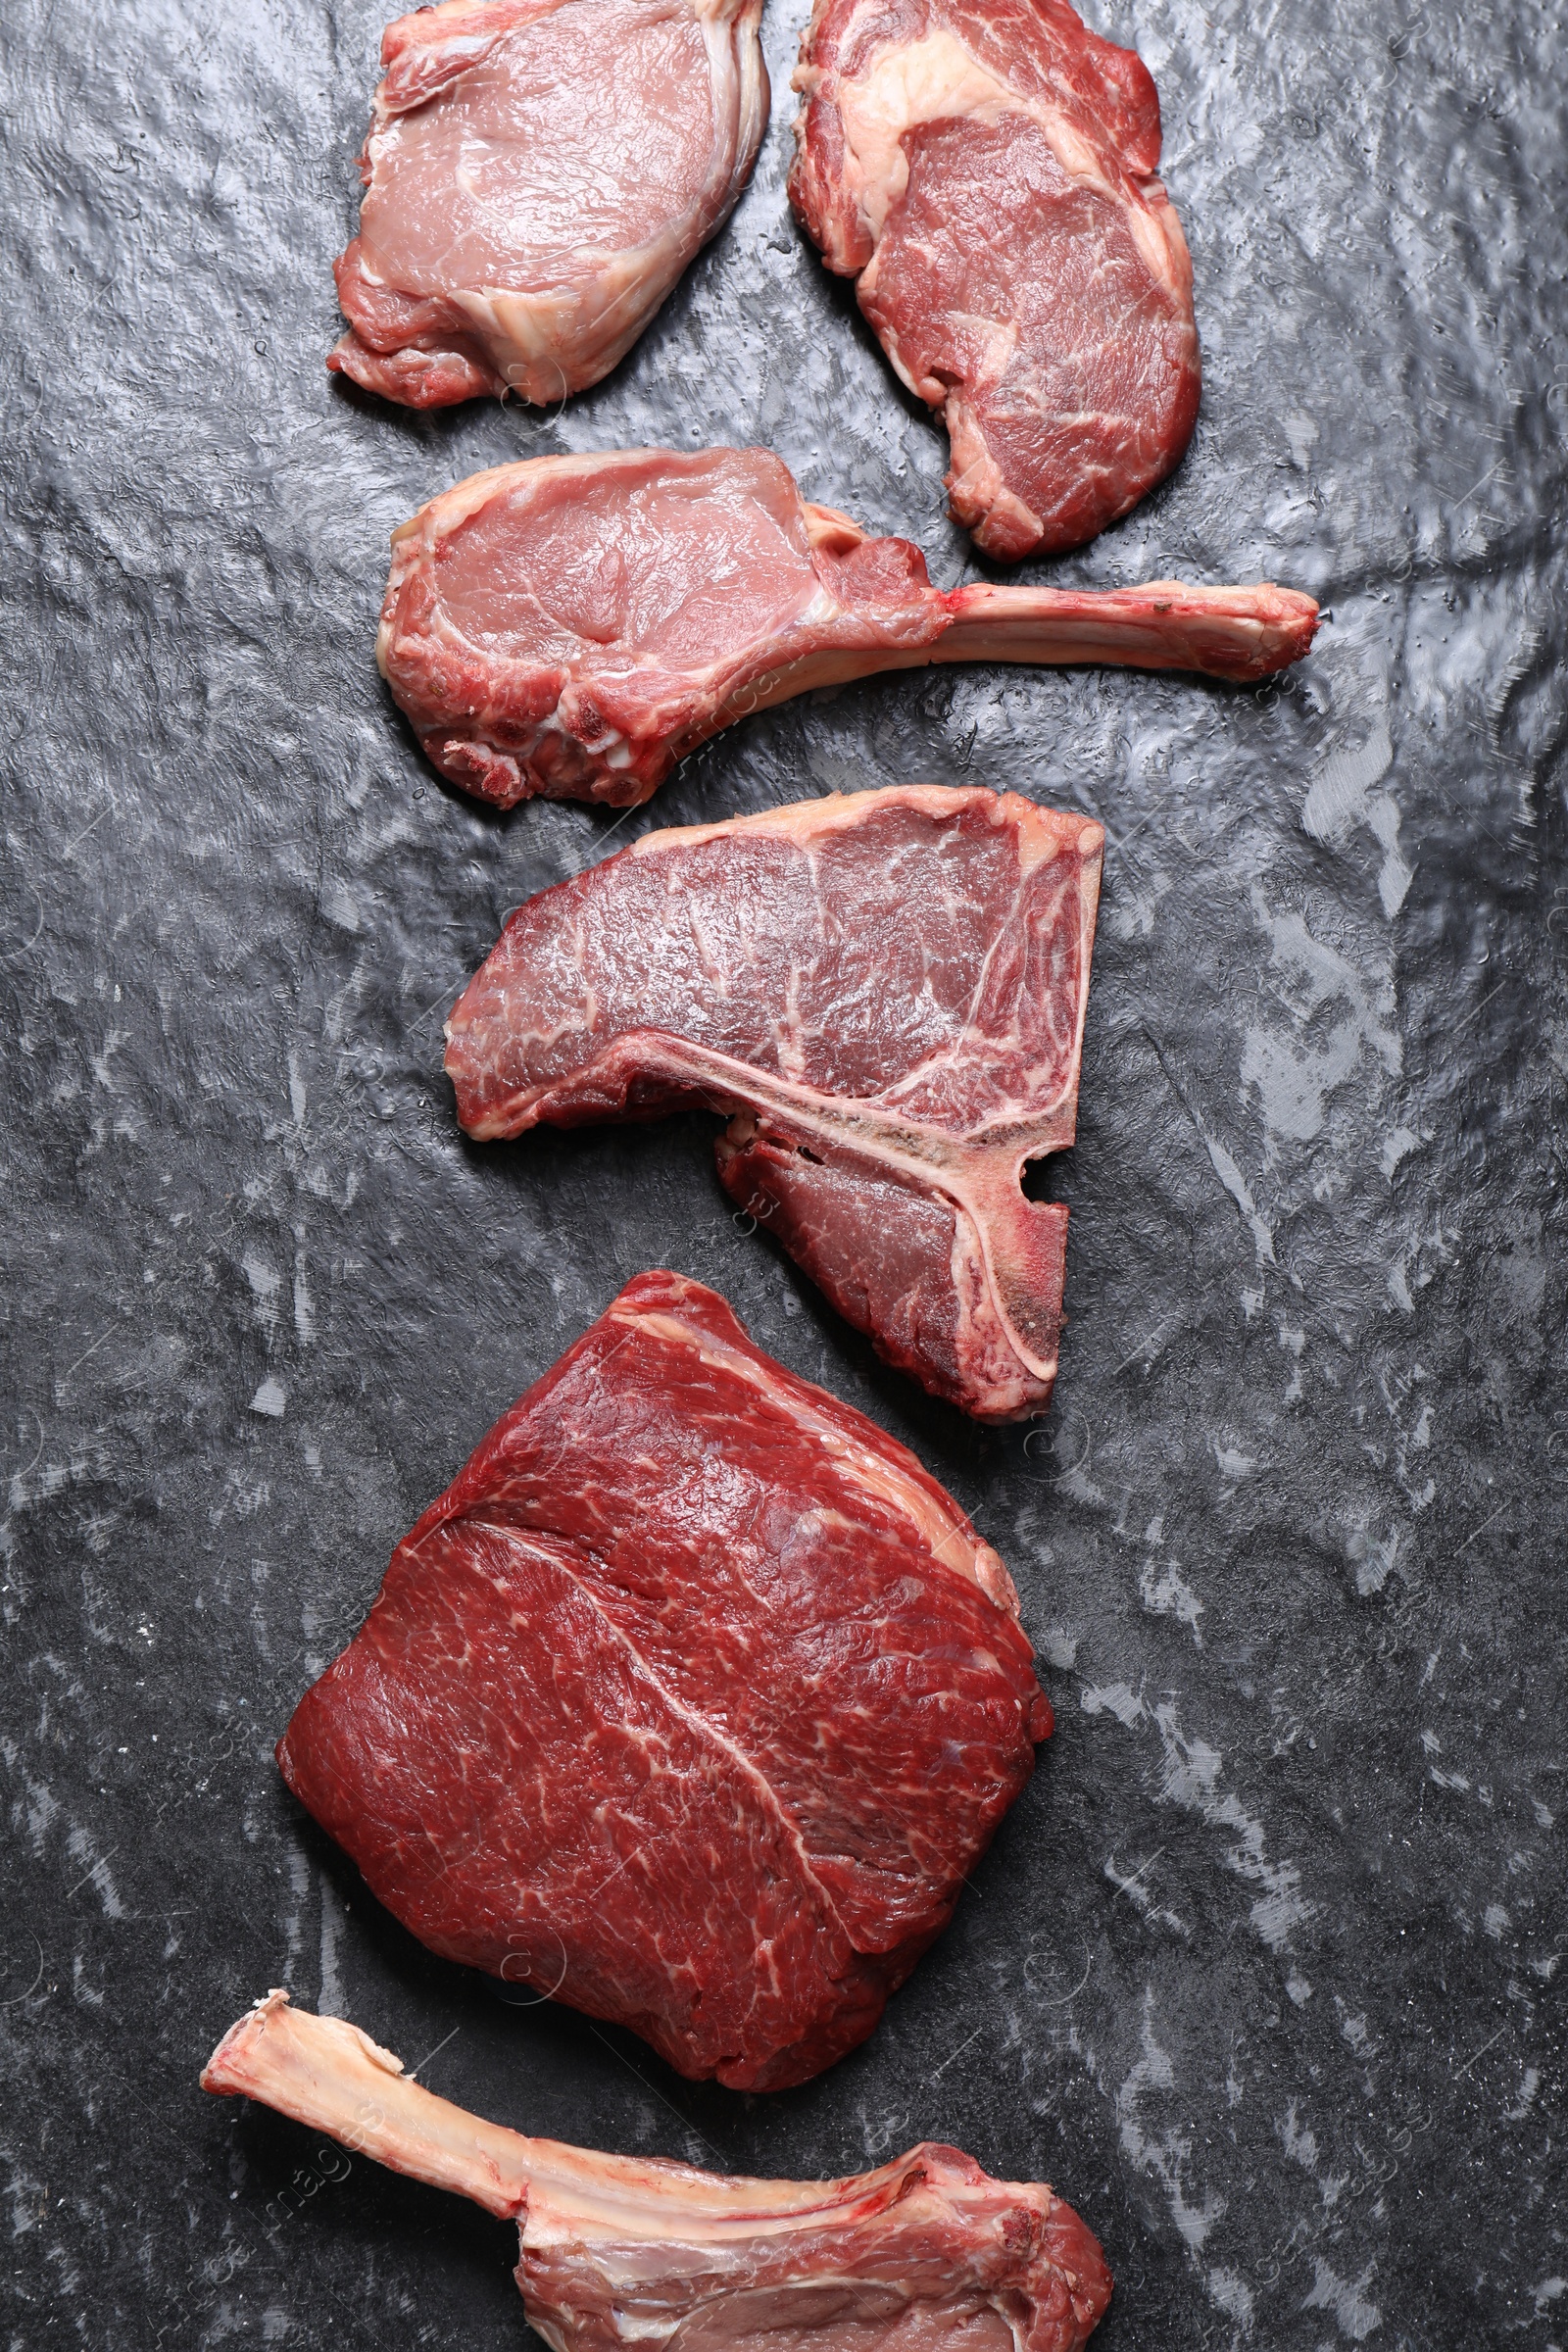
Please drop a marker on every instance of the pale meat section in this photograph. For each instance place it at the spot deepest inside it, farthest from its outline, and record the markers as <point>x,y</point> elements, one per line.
<point>572,626</point>
<point>634,2254</point>
<point>538,174</point>
<point>986,169</point>
<point>885,992</point>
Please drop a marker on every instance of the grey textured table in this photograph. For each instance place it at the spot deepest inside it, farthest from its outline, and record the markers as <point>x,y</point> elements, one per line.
<point>1266,1972</point>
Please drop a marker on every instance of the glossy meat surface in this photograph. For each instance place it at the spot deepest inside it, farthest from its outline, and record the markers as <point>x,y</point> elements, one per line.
<point>574,626</point>
<point>538,175</point>
<point>692,1702</point>
<point>887,991</point>
<point>986,169</point>
<point>925,2254</point>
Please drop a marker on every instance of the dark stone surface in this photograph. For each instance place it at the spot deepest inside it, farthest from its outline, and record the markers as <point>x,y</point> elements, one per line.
<point>1267,1971</point>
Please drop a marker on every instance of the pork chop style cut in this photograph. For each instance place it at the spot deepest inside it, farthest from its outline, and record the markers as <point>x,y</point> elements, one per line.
<point>574,626</point>
<point>886,991</point>
<point>693,1701</point>
<point>538,174</point>
<point>984,169</point>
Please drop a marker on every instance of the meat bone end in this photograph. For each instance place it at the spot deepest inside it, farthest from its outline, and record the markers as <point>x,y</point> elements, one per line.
<point>927,2247</point>
<point>1238,634</point>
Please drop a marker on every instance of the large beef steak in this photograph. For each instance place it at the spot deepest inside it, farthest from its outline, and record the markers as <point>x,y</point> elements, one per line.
<point>693,1701</point>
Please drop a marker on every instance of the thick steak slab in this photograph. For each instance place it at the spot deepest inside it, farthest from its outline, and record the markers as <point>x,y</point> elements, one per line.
<point>634,2254</point>
<point>574,626</point>
<point>887,991</point>
<point>693,1701</point>
<point>538,174</point>
<point>986,171</point>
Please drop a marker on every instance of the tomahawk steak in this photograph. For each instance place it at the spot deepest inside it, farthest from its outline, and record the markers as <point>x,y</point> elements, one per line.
<point>538,174</point>
<point>574,626</point>
<point>692,1702</point>
<point>986,171</point>
<point>926,2254</point>
<point>887,992</point>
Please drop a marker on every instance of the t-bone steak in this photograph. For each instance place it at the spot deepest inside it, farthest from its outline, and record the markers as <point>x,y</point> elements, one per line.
<point>574,626</point>
<point>538,174</point>
<point>886,992</point>
<point>984,169</point>
<point>634,2254</point>
<point>692,1702</point>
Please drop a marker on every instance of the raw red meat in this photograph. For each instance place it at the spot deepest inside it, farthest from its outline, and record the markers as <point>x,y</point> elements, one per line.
<point>538,174</point>
<point>693,1701</point>
<point>887,991</point>
<point>574,626</point>
<point>926,2254</point>
<point>986,169</point>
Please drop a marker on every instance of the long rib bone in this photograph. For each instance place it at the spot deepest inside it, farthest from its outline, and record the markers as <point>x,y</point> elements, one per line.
<point>926,2252</point>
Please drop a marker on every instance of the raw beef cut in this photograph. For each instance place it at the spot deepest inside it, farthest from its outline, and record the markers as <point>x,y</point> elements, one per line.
<point>538,174</point>
<point>577,624</point>
<point>986,171</point>
<point>574,626</point>
<point>692,1702</point>
<point>926,2254</point>
<point>887,992</point>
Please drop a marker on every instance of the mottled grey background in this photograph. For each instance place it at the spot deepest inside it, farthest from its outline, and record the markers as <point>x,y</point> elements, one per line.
<point>1267,1971</point>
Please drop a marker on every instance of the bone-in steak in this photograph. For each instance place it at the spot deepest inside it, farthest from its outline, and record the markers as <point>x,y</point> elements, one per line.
<point>538,174</point>
<point>986,171</point>
<point>693,1701</point>
<point>887,990</point>
<point>574,626</point>
<point>632,2254</point>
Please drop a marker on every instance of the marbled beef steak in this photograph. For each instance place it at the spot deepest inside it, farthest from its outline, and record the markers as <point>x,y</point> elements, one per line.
<point>634,2254</point>
<point>693,1701</point>
<point>538,174</point>
<point>574,626</point>
<point>984,169</point>
<point>886,991</point>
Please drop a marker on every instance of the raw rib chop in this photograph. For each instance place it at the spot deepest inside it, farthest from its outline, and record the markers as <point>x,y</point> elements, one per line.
<point>984,169</point>
<point>926,2254</point>
<point>693,1701</point>
<point>538,174</point>
<point>574,626</point>
<point>887,991</point>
